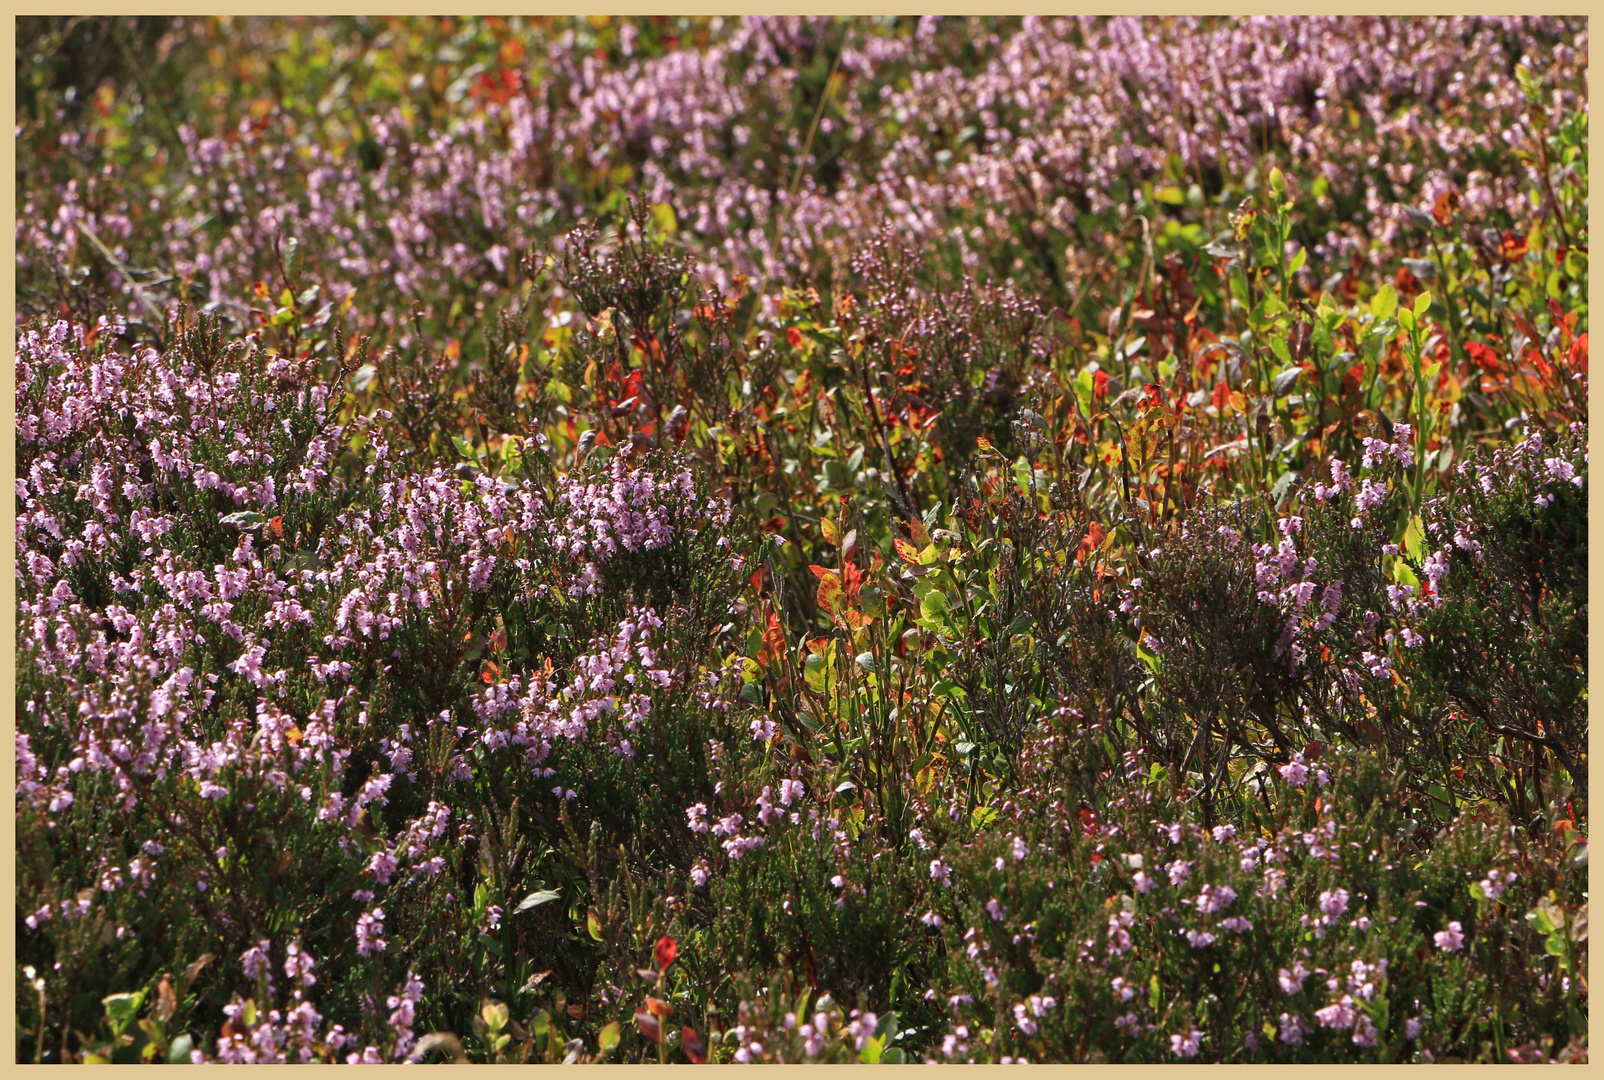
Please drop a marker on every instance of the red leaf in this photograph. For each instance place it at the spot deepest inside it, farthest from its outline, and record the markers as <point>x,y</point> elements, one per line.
<point>853,578</point>
<point>648,1025</point>
<point>1483,357</point>
<point>693,1047</point>
<point>666,951</point>
<point>829,594</point>
<point>1578,354</point>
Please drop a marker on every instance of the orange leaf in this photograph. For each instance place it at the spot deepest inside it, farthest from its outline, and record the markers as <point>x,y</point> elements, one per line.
<point>1446,204</point>
<point>829,594</point>
<point>908,552</point>
<point>773,641</point>
<point>1091,541</point>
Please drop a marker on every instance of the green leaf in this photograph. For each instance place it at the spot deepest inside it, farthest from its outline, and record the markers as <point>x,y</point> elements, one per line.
<point>1413,537</point>
<point>982,816</point>
<point>179,1049</point>
<point>1173,196</point>
<point>813,672</point>
<point>1385,303</point>
<point>607,1038</point>
<point>535,899</point>
<point>593,924</point>
<point>1422,303</point>
<point>363,378</point>
<point>935,614</point>
<point>122,1007</point>
<point>494,1014</point>
<point>663,214</point>
<point>244,519</point>
<point>872,1049</point>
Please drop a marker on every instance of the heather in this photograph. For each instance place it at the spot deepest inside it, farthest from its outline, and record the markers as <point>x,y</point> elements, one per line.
<point>802,540</point>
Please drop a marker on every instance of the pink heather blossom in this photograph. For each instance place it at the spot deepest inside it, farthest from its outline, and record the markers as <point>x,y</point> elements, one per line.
<point>255,960</point>
<point>1186,1045</point>
<point>369,925</point>
<point>1339,1014</point>
<point>694,815</point>
<point>1334,901</point>
<point>1214,898</point>
<point>1451,939</point>
<point>1492,887</point>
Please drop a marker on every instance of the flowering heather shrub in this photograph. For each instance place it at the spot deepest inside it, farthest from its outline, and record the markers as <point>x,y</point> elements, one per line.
<point>1127,934</point>
<point>1013,134</point>
<point>802,540</point>
<point>236,629</point>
